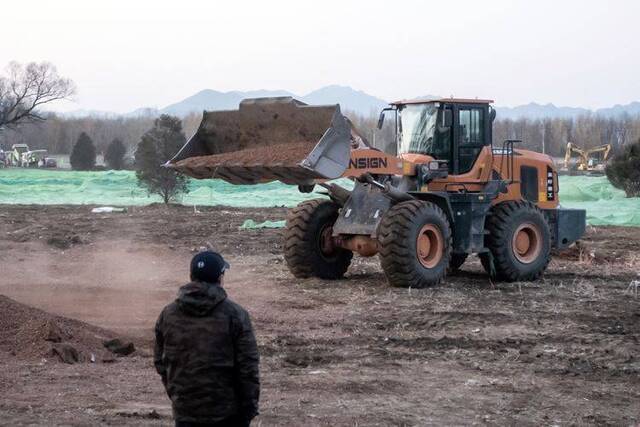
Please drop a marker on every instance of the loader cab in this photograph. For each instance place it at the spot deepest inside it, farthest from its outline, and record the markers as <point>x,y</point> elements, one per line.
<point>451,130</point>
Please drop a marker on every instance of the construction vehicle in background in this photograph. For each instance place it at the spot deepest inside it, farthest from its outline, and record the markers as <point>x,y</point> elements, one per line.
<point>591,161</point>
<point>14,157</point>
<point>33,159</point>
<point>21,156</point>
<point>448,192</point>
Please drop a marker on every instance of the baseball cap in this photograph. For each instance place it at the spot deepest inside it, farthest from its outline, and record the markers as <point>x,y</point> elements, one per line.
<point>208,266</point>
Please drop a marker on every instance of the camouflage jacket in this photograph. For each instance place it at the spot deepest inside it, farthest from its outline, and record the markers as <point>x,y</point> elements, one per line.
<point>207,356</point>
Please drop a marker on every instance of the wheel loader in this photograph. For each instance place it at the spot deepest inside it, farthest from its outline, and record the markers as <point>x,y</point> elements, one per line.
<point>446,192</point>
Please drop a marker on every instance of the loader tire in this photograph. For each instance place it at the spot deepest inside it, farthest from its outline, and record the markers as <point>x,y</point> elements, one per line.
<point>415,244</point>
<point>519,240</point>
<point>308,251</point>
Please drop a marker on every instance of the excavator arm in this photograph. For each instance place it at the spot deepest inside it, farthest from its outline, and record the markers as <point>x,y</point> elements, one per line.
<point>605,149</point>
<point>583,157</point>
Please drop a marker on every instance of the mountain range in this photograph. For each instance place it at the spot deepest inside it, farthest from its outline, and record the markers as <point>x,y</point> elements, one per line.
<point>350,100</point>
<point>539,111</point>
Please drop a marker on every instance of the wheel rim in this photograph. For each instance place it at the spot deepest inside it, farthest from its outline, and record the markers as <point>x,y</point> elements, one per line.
<point>527,243</point>
<point>429,246</point>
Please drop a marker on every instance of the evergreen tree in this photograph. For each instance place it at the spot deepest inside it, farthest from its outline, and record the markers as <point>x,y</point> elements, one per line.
<point>83,155</point>
<point>624,170</point>
<point>157,146</point>
<point>114,157</point>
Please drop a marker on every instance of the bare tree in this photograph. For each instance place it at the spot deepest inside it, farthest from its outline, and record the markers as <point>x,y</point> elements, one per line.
<point>28,87</point>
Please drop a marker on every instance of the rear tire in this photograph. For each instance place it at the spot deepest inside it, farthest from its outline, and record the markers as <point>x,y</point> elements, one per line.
<point>415,244</point>
<point>307,251</point>
<point>519,240</point>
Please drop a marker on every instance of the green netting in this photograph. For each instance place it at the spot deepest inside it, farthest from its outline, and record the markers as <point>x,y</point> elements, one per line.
<point>119,188</point>
<point>604,204</point>
<point>251,224</point>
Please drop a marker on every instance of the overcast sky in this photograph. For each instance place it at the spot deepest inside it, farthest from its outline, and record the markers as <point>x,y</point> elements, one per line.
<point>129,54</point>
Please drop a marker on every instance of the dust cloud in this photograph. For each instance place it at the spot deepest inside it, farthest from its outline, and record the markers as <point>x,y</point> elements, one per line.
<point>119,285</point>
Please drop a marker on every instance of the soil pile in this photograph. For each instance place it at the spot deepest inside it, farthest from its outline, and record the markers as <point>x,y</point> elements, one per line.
<point>280,154</point>
<point>29,333</point>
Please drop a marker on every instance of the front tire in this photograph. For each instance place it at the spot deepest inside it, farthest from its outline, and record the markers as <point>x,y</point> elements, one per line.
<point>308,247</point>
<point>519,240</point>
<point>415,244</point>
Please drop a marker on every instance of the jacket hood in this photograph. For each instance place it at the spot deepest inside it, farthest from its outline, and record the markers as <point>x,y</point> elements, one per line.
<point>200,298</point>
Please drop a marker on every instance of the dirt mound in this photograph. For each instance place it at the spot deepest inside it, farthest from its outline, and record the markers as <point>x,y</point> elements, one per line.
<point>279,154</point>
<point>29,333</point>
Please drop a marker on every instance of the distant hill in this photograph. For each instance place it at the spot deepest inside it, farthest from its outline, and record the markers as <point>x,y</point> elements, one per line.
<point>365,104</point>
<point>632,109</point>
<point>537,111</point>
<point>211,100</point>
<point>350,100</point>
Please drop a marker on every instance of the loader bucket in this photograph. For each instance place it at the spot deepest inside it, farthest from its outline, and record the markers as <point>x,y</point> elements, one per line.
<point>268,139</point>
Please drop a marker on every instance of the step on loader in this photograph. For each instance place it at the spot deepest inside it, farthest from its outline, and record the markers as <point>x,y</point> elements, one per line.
<point>447,192</point>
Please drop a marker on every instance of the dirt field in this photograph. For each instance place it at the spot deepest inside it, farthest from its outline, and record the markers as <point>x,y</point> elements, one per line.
<point>562,351</point>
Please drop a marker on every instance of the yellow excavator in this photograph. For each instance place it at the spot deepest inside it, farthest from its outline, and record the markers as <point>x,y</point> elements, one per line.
<point>446,192</point>
<point>592,160</point>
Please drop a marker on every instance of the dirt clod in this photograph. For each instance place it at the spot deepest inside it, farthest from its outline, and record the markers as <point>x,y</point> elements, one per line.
<point>64,242</point>
<point>119,347</point>
<point>66,353</point>
<point>54,333</point>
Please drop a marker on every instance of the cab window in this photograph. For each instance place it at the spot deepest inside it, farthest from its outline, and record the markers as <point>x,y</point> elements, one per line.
<point>471,136</point>
<point>471,127</point>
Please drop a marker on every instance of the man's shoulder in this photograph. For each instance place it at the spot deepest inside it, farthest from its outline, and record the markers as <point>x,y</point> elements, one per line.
<point>234,309</point>
<point>168,311</point>
<point>172,307</point>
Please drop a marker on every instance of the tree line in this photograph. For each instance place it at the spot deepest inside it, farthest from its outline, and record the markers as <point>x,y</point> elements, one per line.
<point>145,143</point>
<point>157,144</point>
<point>549,135</point>
<point>552,135</point>
<point>58,134</point>
<point>25,89</point>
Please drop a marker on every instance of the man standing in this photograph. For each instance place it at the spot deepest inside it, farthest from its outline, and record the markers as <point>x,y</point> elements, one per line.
<point>206,351</point>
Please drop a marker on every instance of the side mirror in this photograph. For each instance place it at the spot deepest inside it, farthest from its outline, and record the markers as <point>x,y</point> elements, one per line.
<point>447,118</point>
<point>381,119</point>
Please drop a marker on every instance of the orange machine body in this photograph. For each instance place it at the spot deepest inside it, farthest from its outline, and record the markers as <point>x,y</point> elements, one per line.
<point>490,163</point>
